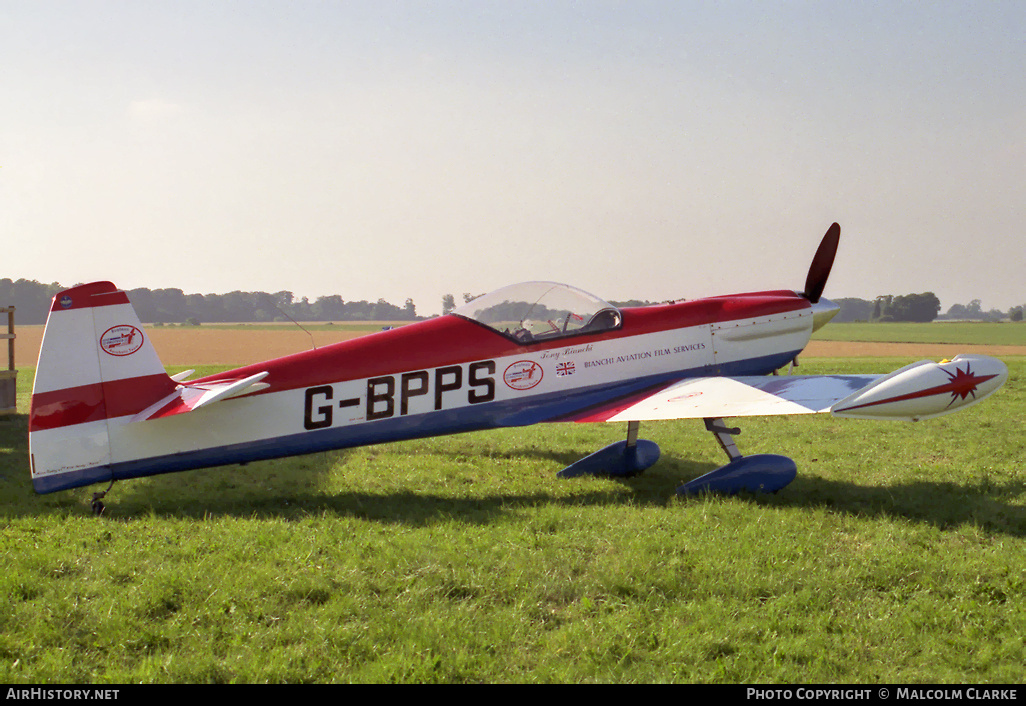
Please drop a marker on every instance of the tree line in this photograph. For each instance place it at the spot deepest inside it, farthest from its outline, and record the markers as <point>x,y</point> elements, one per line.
<point>919,308</point>
<point>449,303</point>
<point>32,302</point>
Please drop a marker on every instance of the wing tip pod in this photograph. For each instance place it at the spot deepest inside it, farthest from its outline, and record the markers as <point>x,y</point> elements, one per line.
<point>926,389</point>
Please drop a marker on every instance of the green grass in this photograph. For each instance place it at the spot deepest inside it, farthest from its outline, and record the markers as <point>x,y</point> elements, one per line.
<point>898,555</point>
<point>982,333</point>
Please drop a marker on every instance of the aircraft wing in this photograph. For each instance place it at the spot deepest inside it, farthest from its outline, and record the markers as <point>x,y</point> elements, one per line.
<point>740,397</point>
<point>919,391</point>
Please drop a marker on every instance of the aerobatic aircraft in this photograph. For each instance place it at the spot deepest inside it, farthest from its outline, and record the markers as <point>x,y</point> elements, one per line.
<point>105,409</point>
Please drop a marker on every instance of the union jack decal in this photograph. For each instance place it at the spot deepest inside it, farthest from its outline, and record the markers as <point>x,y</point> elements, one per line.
<point>565,369</point>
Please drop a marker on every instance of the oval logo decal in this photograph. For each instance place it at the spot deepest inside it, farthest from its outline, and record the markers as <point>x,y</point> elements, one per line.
<point>523,375</point>
<point>685,396</point>
<point>121,340</point>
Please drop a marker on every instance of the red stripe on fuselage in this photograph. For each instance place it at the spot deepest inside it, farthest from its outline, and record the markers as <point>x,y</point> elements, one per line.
<point>98,401</point>
<point>450,340</point>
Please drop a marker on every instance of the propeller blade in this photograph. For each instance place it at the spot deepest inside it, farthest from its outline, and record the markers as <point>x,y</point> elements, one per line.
<point>816,280</point>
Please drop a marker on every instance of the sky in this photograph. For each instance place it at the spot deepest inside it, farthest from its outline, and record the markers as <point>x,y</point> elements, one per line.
<point>637,150</point>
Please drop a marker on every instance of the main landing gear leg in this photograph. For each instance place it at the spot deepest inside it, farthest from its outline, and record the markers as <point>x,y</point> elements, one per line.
<point>725,435</point>
<point>765,473</point>
<point>98,506</point>
<point>622,459</point>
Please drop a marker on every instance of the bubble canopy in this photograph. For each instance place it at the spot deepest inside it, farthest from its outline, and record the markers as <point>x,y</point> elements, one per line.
<point>541,311</point>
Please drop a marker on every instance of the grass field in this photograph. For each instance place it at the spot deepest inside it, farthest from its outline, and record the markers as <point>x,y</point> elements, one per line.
<point>898,555</point>
<point>980,333</point>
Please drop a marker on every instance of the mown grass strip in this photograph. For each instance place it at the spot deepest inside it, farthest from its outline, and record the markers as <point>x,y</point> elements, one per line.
<point>981,333</point>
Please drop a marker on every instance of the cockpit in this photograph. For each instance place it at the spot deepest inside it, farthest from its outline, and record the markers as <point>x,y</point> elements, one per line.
<point>541,311</point>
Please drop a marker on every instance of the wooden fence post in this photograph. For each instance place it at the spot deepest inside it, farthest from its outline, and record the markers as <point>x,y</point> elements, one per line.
<point>9,377</point>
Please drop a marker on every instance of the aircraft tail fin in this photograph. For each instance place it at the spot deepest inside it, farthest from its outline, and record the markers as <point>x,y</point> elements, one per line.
<point>95,365</point>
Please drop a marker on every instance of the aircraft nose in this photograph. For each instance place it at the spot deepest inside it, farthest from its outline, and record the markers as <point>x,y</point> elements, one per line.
<point>822,312</point>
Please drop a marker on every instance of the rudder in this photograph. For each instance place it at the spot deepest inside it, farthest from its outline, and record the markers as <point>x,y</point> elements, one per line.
<point>95,365</point>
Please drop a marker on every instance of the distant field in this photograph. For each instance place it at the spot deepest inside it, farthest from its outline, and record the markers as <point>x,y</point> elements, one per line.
<point>990,334</point>
<point>351,326</point>
<point>242,344</point>
<point>220,344</point>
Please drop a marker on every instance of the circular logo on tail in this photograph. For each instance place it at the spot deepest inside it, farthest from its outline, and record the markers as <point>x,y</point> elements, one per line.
<point>121,340</point>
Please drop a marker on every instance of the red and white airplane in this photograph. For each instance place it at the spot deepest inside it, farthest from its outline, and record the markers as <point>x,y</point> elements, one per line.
<point>105,409</point>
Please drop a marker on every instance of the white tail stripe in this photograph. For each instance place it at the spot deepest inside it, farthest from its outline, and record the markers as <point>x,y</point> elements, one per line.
<point>76,351</point>
<point>63,359</point>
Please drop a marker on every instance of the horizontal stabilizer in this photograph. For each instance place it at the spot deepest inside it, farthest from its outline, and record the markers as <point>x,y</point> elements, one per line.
<point>190,397</point>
